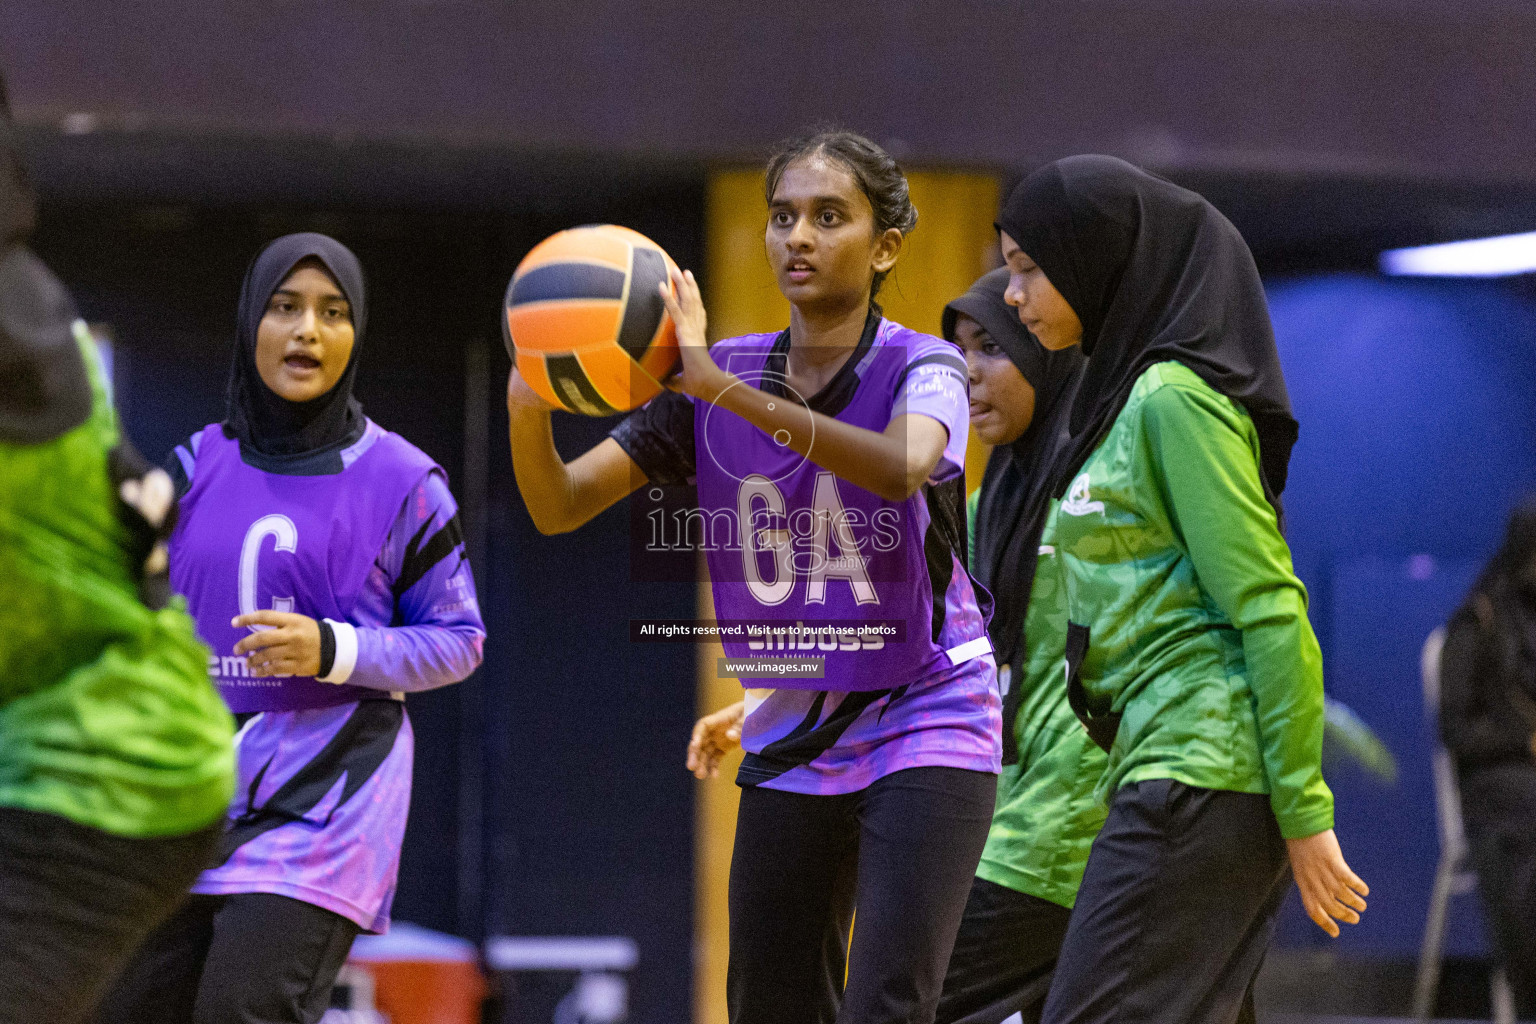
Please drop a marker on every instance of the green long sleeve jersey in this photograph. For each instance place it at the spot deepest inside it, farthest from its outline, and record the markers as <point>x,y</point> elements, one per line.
<point>1047,814</point>
<point>107,716</point>
<point>1173,559</point>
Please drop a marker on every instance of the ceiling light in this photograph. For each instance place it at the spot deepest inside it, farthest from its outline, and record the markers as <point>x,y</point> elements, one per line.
<point>1477,257</point>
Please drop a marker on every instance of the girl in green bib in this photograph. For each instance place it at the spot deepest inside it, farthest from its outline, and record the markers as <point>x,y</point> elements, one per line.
<point>1189,656</point>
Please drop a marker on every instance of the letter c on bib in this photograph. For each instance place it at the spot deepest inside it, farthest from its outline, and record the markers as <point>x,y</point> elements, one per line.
<point>286,536</point>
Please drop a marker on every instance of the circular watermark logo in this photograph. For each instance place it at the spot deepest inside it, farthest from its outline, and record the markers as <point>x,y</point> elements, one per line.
<point>780,438</point>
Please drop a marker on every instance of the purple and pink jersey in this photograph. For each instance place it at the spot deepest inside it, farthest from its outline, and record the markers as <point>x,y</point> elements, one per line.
<point>367,538</point>
<point>912,682</point>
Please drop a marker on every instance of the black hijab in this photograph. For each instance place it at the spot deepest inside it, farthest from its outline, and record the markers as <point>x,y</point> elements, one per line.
<point>1155,273</point>
<point>1015,490</point>
<point>44,390</point>
<point>270,426</point>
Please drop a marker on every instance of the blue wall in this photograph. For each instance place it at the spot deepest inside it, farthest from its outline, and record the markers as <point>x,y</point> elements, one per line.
<point>1417,403</point>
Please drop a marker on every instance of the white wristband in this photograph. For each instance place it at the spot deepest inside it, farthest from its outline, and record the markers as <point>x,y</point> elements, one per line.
<point>346,652</point>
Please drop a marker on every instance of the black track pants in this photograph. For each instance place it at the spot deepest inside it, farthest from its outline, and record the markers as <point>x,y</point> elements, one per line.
<point>1176,910</point>
<point>1003,956</point>
<point>251,958</point>
<point>75,902</point>
<point>904,851</point>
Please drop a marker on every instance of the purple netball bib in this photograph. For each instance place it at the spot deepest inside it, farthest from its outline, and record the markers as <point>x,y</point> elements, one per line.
<point>250,540</point>
<point>840,573</point>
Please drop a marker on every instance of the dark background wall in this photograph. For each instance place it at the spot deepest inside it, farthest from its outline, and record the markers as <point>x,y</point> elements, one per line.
<point>1431,88</point>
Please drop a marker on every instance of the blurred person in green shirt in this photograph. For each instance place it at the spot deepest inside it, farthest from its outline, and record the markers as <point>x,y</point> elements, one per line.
<point>115,751</point>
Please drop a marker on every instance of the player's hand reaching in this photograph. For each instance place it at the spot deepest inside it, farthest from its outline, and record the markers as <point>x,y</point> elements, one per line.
<point>714,736</point>
<point>1329,889</point>
<point>699,375</point>
<point>290,646</point>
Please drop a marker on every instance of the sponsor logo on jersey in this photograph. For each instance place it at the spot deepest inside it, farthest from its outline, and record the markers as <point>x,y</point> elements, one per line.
<point>234,670</point>
<point>1077,501</point>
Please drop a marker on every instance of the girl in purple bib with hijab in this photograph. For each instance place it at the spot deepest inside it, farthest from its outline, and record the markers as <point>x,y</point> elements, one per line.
<point>833,450</point>
<point>322,559</point>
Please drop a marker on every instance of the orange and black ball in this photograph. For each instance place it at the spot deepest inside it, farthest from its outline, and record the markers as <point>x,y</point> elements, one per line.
<point>584,322</point>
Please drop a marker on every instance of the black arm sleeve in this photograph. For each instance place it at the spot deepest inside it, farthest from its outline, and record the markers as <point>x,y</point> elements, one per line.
<point>1476,722</point>
<point>658,436</point>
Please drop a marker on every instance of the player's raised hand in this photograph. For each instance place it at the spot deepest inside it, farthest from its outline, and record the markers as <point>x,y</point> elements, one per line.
<point>698,376</point>
<point>1329,889</point>
<point>288,645</point>
<point>714,736</point>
